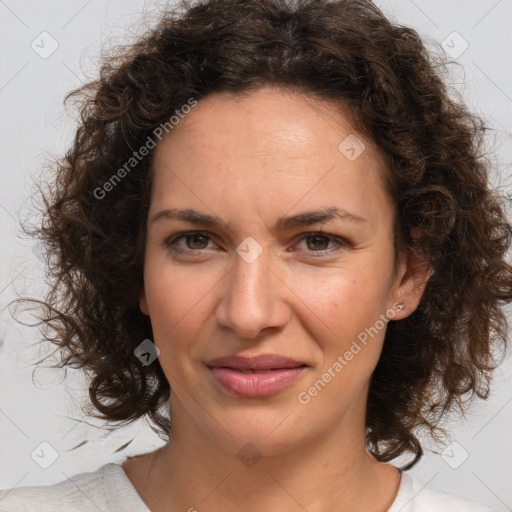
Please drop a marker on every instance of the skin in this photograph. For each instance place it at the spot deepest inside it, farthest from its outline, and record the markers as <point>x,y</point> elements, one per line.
<point>250,160</point>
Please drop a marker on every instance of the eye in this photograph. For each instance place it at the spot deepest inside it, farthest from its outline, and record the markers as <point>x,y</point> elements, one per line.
<point>194,241</point>
<point>317,243</point>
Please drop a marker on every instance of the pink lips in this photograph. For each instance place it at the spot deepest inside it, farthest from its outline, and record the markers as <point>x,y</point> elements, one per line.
<point>257,376</point>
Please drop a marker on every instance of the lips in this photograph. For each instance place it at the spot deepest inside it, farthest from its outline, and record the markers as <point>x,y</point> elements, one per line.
<point>260,362</point>
<point>257,376</point>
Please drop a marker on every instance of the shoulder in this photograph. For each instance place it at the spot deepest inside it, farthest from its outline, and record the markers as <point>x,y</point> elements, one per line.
<point>415,495</point>
<point>86,491</point>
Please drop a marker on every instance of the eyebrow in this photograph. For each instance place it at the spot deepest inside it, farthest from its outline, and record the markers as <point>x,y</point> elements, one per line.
<point>301,219</point>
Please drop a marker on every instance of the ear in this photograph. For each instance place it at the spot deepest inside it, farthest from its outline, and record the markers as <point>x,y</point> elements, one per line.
<point>143,303</point>
<point>413,274</point>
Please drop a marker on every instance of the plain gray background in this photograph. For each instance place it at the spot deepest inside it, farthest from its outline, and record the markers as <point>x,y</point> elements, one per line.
<point>34,126</point>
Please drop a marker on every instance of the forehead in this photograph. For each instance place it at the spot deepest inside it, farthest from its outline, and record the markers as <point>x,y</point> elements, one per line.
<point>269,118</point>
<point>269,145</point>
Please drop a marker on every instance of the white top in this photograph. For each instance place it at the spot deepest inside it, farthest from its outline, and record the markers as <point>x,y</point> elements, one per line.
<point>109,490</point>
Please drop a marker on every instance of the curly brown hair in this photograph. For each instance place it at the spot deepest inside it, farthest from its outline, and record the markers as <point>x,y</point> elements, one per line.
<point>345,51</point>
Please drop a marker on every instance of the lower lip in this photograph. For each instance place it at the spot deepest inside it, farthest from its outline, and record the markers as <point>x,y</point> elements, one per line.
<point>256,384</point>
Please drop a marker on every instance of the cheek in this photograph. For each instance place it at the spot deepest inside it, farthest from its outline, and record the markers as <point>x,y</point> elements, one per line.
<point>178,303</point>
<point>174,291</point>
<point>351,310</point>
<point>348,329</point>
<point>342,305</point>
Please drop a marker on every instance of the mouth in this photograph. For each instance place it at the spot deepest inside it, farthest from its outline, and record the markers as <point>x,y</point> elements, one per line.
<point>268,370</point>
<point>254,377</point>
<point>256,363</point>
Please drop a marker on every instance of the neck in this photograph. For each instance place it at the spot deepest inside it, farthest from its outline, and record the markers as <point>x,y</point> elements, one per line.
<point>331,472</point>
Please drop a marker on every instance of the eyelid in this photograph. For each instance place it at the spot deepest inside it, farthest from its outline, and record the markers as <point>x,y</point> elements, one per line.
<point>332,238</point>
<point>341,243</point>
<point>183,234</point>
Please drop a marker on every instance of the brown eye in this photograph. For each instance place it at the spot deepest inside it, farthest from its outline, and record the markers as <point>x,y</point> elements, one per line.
<point>191,242</point>
<point>196,241</point>
<point>317,242</point>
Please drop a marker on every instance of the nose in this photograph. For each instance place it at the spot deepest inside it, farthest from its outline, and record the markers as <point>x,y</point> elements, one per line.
<point>252,299</point>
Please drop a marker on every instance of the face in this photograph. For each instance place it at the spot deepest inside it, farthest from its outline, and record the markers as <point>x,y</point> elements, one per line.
<point>277,241</point>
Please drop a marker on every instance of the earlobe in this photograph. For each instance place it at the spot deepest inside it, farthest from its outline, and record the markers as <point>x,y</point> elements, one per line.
<point>414,274</point>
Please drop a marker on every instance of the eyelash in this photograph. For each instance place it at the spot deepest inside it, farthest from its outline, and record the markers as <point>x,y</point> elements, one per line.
<point>326,252</point>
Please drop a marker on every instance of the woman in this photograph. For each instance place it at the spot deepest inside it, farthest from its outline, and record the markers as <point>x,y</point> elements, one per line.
<point>274,210</point>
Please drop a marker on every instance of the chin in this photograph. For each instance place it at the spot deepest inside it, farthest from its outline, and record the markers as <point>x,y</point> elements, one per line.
<point>254,433</point>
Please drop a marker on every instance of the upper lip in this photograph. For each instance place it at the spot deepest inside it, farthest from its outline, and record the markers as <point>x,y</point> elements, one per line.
<point>259,362</point>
